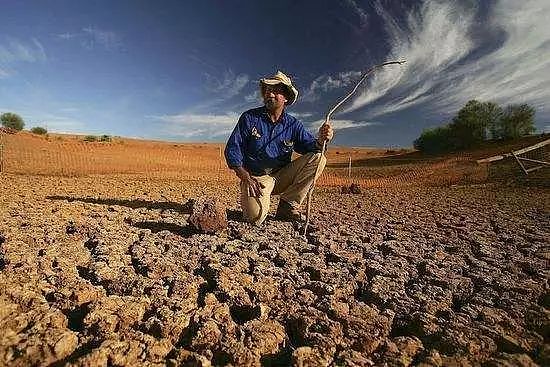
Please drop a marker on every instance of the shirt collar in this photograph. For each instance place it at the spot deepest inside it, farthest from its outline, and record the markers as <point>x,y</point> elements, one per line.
<point>282,119</point>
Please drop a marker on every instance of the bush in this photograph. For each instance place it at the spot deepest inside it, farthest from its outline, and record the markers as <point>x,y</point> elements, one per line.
<point>39,130</point>
<point>105,138</point>
<point>517,121</point>
<point>12,121</point>
<point>475,123</point>
<point>90,138</point>
<point>438,140</point>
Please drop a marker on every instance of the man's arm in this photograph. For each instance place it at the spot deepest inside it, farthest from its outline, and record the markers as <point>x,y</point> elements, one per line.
<point>254,186</point>
<point>234,156</point>
<point>305,142</point>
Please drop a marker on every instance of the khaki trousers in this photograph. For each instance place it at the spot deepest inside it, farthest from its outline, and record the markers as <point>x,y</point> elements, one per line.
<point>292,183</point>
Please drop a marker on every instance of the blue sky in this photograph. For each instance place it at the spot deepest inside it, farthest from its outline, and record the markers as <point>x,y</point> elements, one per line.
<point>185,70</point>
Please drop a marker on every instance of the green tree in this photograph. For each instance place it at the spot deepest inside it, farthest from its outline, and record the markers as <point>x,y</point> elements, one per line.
<point>491,115</point>
<point>517,121</point>
<point>468,127</point>
<point>437,140</point>
<point>12,121</point>
<point>39,130</point>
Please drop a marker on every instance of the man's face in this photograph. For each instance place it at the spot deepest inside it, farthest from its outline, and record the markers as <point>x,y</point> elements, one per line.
<point>274,96</point>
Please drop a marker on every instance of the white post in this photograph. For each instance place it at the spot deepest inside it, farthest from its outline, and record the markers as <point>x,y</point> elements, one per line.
<point>1,157</point>
<point>349,167</point>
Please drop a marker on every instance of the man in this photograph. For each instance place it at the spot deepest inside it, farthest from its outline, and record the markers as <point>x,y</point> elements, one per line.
<point>259,150</point>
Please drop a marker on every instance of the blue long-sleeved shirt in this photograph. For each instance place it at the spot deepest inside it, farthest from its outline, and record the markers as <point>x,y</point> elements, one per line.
<point>262,147</point>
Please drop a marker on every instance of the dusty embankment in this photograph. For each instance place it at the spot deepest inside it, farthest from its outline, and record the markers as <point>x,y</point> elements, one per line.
<point>106,271</point>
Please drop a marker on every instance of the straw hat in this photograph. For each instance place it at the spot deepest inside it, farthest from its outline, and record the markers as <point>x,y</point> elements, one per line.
<point>281,78</point>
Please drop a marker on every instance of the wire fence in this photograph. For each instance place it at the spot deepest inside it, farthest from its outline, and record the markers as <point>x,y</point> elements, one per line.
<point>29,154</point>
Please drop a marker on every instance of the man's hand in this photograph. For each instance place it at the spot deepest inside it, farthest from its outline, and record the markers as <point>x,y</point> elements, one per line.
<point>253,186</point>
<point>325,133</point>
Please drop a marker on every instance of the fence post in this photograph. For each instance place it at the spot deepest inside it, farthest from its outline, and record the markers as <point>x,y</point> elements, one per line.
<point>1,157</point>
<point>349,167</point>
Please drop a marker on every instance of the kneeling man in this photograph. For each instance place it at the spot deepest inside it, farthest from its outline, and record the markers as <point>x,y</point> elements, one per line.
<point>260,148</point>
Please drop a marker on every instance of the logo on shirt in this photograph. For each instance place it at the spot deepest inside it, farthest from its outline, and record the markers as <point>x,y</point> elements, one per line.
<point>255,133</point>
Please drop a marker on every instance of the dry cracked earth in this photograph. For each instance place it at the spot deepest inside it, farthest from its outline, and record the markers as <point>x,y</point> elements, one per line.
<point>106,271</point>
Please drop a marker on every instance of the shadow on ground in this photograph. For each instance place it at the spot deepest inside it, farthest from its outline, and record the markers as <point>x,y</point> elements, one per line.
<point>134,204</point>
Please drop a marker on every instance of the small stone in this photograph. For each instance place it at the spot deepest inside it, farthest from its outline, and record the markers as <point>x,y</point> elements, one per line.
<point>208,216</point>
<point>354,189</point>
<point>65,345</point>
<point>307,356</point>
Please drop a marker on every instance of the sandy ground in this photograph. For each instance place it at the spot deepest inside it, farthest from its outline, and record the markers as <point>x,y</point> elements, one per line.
<point>105,271</point>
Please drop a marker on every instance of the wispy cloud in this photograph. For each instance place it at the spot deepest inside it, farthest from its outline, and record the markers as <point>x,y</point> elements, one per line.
<point>228,86</point>
<point>363,17</point>
<point>14,51</point>
<point>253,96</point>
<point>325,83</point>
<point>302,115</point>
<point>189,126</point>
<point>108,39</point>
<point>448,63</point>
<point>91,37</point>
<point>341,124</point>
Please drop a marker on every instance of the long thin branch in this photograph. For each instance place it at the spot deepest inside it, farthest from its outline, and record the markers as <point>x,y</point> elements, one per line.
<point>327,119</point>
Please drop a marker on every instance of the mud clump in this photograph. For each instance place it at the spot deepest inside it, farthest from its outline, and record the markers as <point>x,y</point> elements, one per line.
<point>351,189</point>
<point>208,216</point>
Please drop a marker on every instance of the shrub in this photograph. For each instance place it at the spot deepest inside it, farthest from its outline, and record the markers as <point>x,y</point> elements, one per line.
<point>12,121</point>
<point>39,130</point>
<point>105,138</point>
<point>517,120</point>
<point>475,123</point>
<point>436,140</point>
<point>90,138</point>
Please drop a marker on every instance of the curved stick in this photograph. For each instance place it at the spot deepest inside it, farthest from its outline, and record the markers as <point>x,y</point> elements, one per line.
<point>367,73</point>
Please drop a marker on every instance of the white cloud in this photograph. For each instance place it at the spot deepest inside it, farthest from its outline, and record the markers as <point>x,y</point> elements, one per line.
<point>228,86</point>
<point>440,45</point>
<point>17,51</point>
<point>342,124</point>
<point>301,115</point>
<point>253,97</point>
<point>66,36</point>
<point>325,83</point>
<point>14,52</point>
<point>108,39</point>
<point>90,37</point>
<point>189,126</point>
<point>434,38</point>
<point>363,17</point>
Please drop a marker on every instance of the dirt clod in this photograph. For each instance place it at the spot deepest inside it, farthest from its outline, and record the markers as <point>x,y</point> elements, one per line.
<point>208,216</point>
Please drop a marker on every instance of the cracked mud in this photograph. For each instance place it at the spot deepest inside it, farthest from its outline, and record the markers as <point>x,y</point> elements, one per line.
<point>109,272</point>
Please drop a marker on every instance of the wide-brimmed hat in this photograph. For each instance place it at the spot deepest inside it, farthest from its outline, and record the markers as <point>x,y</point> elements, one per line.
<point>281,78</point>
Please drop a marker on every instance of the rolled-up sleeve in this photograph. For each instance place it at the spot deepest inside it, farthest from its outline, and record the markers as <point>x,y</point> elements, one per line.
<point>304,141</point>
<point>234,149</point>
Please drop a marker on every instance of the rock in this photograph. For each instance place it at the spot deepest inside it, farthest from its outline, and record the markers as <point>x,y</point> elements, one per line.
<point>307,356</point>
<point>351,189</point>
<point>208,216</point>
<point>186,358</point>
<point>401,351</point>
<point>511,360</point>
<point>352,358</point>
<point>65,345</point>
<point>70,228</point>
<point>354,189</point>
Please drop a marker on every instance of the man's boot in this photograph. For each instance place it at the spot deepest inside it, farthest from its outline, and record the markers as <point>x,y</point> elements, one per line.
<point>288,213</point>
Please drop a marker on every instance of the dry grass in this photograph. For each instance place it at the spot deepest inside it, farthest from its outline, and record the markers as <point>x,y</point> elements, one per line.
<point>69,155</point>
